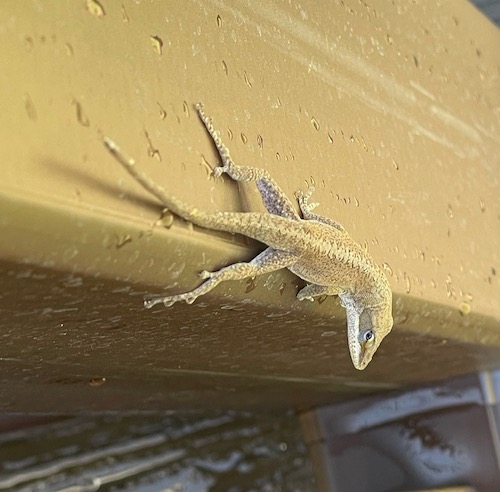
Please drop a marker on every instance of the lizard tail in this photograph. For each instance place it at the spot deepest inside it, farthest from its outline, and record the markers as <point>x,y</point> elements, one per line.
<point>270,229</point>
<point>172,203</point>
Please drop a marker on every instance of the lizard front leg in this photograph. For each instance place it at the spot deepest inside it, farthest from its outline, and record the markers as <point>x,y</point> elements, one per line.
<point>267,261</point>
<point>275,200</point>
<point>311,291</point>
<point>306,208</point>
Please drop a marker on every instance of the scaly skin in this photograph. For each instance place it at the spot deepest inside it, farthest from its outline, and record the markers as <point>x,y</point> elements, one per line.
<point>315,248</point>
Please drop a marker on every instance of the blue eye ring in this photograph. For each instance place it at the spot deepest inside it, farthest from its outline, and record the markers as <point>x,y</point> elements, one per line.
<point>367,336</point>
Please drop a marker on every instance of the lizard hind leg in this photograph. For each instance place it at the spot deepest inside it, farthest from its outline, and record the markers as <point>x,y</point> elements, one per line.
<point>275,200</point>
<point>267,261</point>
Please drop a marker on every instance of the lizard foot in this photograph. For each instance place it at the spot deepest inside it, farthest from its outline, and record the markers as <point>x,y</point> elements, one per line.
<point>220,170</point>
<point>168,301</point>
<point>304,297</point>
<point>303,199</point>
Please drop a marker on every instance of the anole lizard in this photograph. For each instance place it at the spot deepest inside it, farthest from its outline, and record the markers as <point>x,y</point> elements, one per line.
<point>315,248</point>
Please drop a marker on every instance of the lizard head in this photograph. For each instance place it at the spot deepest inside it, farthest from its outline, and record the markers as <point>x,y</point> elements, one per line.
<point>366,331</point>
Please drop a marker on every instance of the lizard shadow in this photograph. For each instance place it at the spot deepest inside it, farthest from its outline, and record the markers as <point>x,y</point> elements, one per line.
<point>92,181</point>
<point>243,198</point>
<point>75,178</point>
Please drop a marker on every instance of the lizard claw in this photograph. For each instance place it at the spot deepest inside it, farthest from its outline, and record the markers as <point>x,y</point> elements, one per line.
<point>303,199</point>
<point>304,297</point>
<point>219,171</point>
<point>149,302</point>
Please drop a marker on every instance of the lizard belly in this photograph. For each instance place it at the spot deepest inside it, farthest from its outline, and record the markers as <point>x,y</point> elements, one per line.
<point>328,273</point>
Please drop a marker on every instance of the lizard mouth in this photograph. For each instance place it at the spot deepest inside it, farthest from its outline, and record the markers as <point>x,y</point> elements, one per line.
<point>358,356</point>
<point>361,356</point>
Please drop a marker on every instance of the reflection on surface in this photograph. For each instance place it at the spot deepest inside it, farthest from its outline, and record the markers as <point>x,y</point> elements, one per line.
<point>172,452</point>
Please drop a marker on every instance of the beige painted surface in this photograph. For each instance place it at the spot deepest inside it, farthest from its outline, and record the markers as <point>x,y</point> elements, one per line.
<point>392,111</point>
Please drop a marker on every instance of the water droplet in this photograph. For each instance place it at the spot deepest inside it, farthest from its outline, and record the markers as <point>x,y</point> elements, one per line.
<point>278,157</point>
<point>244,138</point>
<point>388,268</point>
<point>449,289</point>
<point>29,43</point>
<point>465,308</point>
<point>329,333</point>
<point>207,167</point>
<point>124,14</point>
<point>415,61</point>
<point>97,382</point>
<point>219,21</point>
<point>315,123</point>
<point>81,117</point>
<point>69,49</point>
<point>157,44</point>
<point>260,141</point>
<point>395,164</point>
<point>247,79</point>
<point>30,108</point>
<point>407,280</point>
<point>166,218</point>
<point>330,138</point>
<point>251,285</point>
<point>185,108</point>
<point>95,8</point>
<point>224,67</point>
<point>449,211</point>
<point>482,206</point>
<point>163,113</point>
<point>365,147</point>
<point>356,202</point>
<point>122,240</point>
<point>388,38</point>
<point>151,150</point>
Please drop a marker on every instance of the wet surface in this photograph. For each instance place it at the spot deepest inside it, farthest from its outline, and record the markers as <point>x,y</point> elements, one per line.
<point>190,452</point>
<point>73,343</point>
<point>389,109</point>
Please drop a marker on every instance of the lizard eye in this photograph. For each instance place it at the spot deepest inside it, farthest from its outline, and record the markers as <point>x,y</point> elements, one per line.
<point>367,337</point>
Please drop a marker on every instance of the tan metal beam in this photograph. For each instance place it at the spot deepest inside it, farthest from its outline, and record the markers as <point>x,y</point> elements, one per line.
<point>390,110</point>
